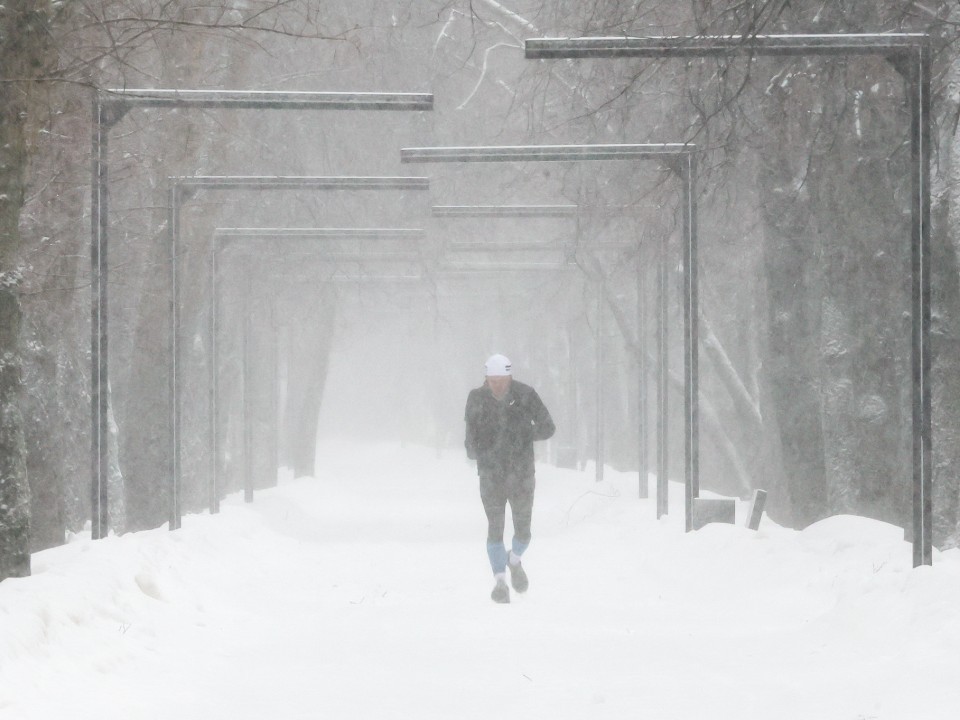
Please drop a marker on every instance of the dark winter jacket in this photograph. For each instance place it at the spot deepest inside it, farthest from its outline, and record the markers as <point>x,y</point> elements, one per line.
<point>500,433</point>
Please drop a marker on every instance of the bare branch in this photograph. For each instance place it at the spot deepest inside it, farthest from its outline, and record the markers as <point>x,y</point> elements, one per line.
<point>483,71</point>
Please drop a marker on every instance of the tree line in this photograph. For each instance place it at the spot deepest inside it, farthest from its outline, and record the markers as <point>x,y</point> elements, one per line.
<point>803,194</point>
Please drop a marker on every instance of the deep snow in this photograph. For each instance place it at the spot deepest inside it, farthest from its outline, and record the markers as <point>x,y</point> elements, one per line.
<point>364,593</point>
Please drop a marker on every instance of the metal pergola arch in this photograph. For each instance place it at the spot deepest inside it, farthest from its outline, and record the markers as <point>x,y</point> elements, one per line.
<point>569,250</point>
<point>680,158</point>
<point>183,188</point>
<point>108,108</point>
<point>448,212</point>
<point>462,212</point>
<point>910,55</point>
<point>224,236</point>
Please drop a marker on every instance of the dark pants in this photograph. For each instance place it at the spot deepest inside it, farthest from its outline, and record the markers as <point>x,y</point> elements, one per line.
<point>496,492</point>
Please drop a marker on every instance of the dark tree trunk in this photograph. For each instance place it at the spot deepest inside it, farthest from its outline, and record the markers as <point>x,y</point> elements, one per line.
<point>14,489</point>
<point>865,343</point>
<point>24,56</point>
<point>308,355</point>
<point>837,262</point>
<point>945,307</point>
<point>791,359</point>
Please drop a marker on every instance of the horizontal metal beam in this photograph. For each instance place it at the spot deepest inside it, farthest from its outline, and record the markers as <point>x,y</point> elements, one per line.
<point>324,233</point>
<point>315,182</point>
<point>298,284</point>
<point>540,210</point>
<point>719,45</point>
<point>504,210</point>
<point>366,277</point>
<point>540,153</point>
<point>477,268</point>
<point>469,246</point>
<point>606,245</point>
<point>495,246</point>
<point>267,100</point>
<point>321,256</point>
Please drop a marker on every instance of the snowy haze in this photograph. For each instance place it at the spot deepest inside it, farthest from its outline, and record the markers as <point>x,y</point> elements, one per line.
<point>364,593</point>
<point>402,360</point>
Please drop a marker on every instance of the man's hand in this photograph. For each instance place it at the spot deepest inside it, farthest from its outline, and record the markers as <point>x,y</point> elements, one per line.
<point>527,432</point>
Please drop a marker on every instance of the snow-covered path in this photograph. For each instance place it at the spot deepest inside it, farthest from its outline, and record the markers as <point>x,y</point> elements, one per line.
<point>364,593</point>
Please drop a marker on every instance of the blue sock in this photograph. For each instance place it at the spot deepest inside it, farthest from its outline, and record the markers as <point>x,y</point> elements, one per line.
<point>498,557</point>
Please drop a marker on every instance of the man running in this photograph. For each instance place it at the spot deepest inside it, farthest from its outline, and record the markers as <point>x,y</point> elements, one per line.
<point>503,418</point>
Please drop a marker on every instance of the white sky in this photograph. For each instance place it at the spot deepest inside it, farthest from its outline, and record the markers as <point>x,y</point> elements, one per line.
<point>364,593</point>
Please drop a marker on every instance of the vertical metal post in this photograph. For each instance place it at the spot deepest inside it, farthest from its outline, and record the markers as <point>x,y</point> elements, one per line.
<point>642,372</point>
<point>601,298</point>
<point>663,364</point>
<point>214,388</point>
<point>99,388</point>
<point>247,390</point>
<point>439,438</point>
<point>918,82</point>
<point>174,354</point>
<point>691,306</point>
<point>573,389</point>
<point>580,451</point>
<point>283,398</point>
<point>274,379</point>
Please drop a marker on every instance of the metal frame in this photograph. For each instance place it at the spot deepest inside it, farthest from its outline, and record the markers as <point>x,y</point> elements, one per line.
<point>183,188</point>
<point>521,211</point>
<point>223,236</point>
<point>504,210</point>
<point>448,211</point>
<point>562,211</point>
<point>108,108</point>
<point>466,212</point>
<point>681,159</point>
<point>910,55</point>
<point>447,270</point>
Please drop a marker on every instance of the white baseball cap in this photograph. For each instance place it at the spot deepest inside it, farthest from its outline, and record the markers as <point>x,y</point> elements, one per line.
<point>498,365</point>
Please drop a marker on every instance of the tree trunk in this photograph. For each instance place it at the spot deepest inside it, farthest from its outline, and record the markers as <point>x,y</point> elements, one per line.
<point>55,334</point>
<point>23,57</point>
<point>790,358</point>
<point>14,490</point>
<point>308,357</point>
<point>945,328</point>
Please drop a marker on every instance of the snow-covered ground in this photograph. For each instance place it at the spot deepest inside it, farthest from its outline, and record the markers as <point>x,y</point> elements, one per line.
<point>364,593</point>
